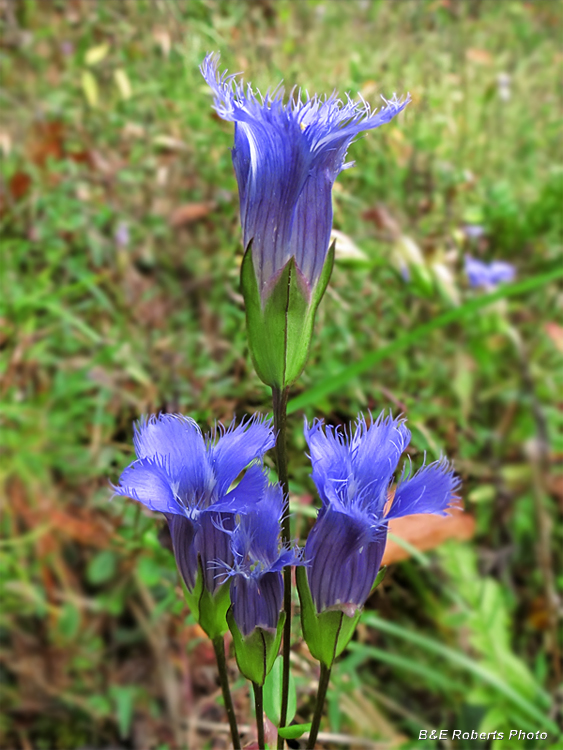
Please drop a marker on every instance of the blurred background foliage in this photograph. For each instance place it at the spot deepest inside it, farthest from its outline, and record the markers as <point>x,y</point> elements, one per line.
<point>119,296</point>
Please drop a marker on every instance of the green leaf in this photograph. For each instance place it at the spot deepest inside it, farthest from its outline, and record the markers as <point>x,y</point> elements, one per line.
<point>69,620</point>
<point>148,571</point>
<point>294,731</point>
<point>257,652</point>
<point>273,691</point>
<point>280,331</point>
<point>102,567</point>
<point>123,696</point>
<point>99,705</point>
<point>460,659</point>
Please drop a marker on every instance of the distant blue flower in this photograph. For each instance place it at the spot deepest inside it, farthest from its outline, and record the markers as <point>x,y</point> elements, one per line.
<point>121,234</point>
<point>488,274</point>
<point>474,231</point>
<point>188,478</point>
<point>286,159</point>
<point>353,473</point>
<point>258,559</point>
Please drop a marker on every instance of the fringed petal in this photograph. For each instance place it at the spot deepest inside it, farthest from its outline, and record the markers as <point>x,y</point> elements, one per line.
<point>431,490</point>
<point>237,446</point>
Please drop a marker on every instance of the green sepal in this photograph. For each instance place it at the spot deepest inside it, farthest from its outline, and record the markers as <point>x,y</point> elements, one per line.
<point>327,634</point>
<point>257,652</point>
<point>379,578</point>
<point>280,330</point>
<point>210,610</point>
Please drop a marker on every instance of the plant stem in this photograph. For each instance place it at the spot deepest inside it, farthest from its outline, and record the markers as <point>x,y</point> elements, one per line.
<point>259,705</point>
<point>279,400</point>
<point>219,648</point>
<point>324,679</point>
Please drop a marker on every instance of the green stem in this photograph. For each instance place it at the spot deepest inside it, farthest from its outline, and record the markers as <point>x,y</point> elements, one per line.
<point>259,705</point>
<point>324,679</point>
<point>279,400</point>
<point>219,648</point>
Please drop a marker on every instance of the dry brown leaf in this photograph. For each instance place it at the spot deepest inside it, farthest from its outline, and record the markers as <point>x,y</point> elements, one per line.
<point>20,182</point>
<point>383,220</point>
<point>538,614</point>
<point>189,213</point>
<point>426,532</point>
<point>46,142</point>
<point>480,56</point>
<point>555,333</point>
<point>555,485</point>
<point>84,526</point>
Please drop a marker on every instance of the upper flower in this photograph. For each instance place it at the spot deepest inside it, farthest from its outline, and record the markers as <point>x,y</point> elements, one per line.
<point>286,159</point>
<point>353,474</point>
<point>488,274</point>
<point>258,559</point>
<point>188,478</point>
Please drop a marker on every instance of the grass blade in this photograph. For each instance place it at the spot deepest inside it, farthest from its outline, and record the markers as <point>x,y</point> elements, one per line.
<point>465,662</point>
<point>338,380</point>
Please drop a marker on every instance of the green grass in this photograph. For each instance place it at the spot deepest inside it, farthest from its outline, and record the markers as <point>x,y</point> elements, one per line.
<point>94,333</point>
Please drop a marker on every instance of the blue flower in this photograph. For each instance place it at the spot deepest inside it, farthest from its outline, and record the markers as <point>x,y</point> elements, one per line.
<point>286,159</point>
<point>488,274</point>
<point>258,560</point>
<point>353,473</point>
<point>188,478</point>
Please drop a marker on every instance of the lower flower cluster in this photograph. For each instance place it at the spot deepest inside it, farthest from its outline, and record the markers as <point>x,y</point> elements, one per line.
<point>225,515</point>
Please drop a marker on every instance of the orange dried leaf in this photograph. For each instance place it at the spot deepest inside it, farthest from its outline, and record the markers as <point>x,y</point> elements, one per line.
<point>555,333</point>
<point>426,532</point>
<point>87,529</point>
<point>20,182</point>
<point>480,56</point>
<point>189,213</point>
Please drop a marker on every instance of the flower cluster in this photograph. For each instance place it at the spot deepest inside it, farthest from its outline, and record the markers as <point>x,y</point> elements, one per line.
<point>488,275</point>
<point>224,515</point>
<point>188,477</point>
<point>234,532</point>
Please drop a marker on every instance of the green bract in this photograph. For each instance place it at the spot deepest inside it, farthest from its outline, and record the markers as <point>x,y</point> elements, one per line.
<point>257,652</point>
<point>210,610</point>
<point>327,634</point>
<point>280,324</point>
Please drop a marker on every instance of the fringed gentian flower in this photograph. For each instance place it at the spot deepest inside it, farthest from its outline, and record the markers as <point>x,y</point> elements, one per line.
<point>258,561</point>
<point>286,158</point>
<point>488,275</point>
<point>188,478</point>
<point>353,474</point>
<point>255,618</point>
